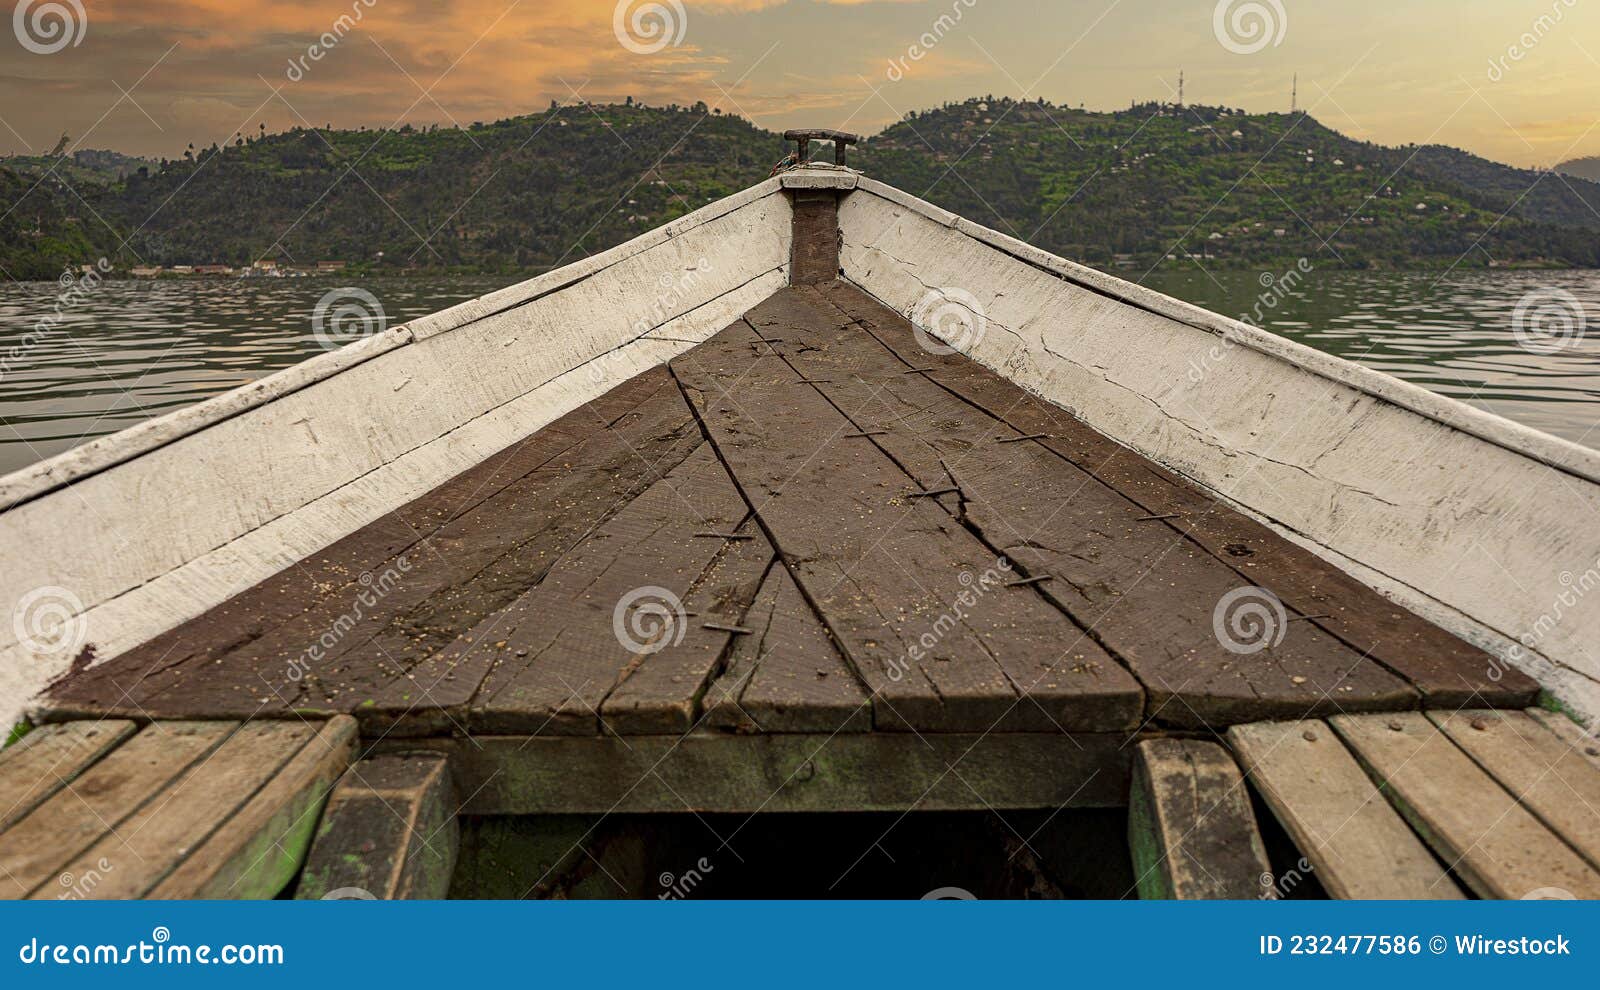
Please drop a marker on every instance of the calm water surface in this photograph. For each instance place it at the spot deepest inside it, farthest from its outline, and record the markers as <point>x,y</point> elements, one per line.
<point>131,350</point>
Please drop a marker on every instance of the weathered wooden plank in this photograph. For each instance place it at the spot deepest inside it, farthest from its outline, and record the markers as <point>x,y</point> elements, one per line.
<point>563,648</point>
<point>258,850</point>
<point>389,830</point>
<point>786,676</point>
<point>299,603</point>
<point>1190,827</point>
<point>1586,743</point>
<point>914,600</point>
<point>49,758</point>
<point>353,635</point>
<point>1358,845</point>
<point>662,692</point>
<point>1498,847</point>
<point>1447,670</point>
<point>730,772</point>
<point>35,853</point>
<point>158,837</point>
<point>457,389</point>
<point>1547,775</point>
<point>1149,595</point>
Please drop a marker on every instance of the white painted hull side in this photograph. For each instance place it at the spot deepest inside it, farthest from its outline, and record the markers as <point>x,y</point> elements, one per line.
<point>1488,528</point>
<point>143,530</point>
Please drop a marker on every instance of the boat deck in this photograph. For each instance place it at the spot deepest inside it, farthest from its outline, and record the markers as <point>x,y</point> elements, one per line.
<point>809,524</point>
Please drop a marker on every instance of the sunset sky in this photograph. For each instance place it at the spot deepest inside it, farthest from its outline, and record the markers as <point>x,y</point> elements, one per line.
<point>1514,80</point>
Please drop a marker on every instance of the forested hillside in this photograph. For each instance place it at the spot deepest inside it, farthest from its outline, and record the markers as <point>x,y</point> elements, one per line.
<point>1146,186</point>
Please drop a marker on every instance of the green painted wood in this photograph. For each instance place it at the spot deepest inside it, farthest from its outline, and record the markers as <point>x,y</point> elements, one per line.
<point>43,854</point>
<point>389,830</point>
<point>257,852</point>
<point>724,772</point>
<point>162,839</point>
<point>1190,826</point>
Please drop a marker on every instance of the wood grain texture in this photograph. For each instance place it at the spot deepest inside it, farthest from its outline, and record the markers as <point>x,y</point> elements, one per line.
<point>1377,471</point>
<point>1498,847</point>
<point>1547,774</point>
<point>1446,670</point>
<point>1141,587</point>
<point>49,758</point>
<point>459,387</point>
<point>1585,742</point>
<point>786,676</point>
<point>1190,826</point>
<point>355,627</point>
<point>389,830</point>
<point>954,581</point>
<point>259,849</point>
<point>157,838</point>
<point>615,605</point>
<point>914,600</point>
<point>1359,846</point>
<point>43,855</point>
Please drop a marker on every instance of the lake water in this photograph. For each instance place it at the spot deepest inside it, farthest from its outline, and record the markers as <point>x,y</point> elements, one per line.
<point>126,351</point>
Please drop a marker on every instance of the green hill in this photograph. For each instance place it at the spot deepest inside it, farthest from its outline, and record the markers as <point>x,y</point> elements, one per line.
<point>1150,185</point>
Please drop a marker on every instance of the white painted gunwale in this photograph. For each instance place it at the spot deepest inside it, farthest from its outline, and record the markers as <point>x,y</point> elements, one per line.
<point>1553,451</point>
<point>105,452</point>
<point>157,524</point>
<point>1108,351</point>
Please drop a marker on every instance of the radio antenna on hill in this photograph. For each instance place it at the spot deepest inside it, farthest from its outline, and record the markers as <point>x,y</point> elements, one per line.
<point>1294,94</point>
<point>1180,89</point>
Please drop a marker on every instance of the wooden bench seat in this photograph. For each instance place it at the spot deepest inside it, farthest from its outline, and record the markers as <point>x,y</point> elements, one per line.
<point>170,810</point>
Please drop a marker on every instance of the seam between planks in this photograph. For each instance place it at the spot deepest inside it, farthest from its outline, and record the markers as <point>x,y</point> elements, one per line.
<point>1214,505</point>
<point>1023,693</point>
<point>780,558</point>
<point>193,765</point>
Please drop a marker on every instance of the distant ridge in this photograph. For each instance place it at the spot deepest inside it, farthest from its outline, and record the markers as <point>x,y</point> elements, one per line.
<point>1583,168</point>
<point>1147,186</point>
